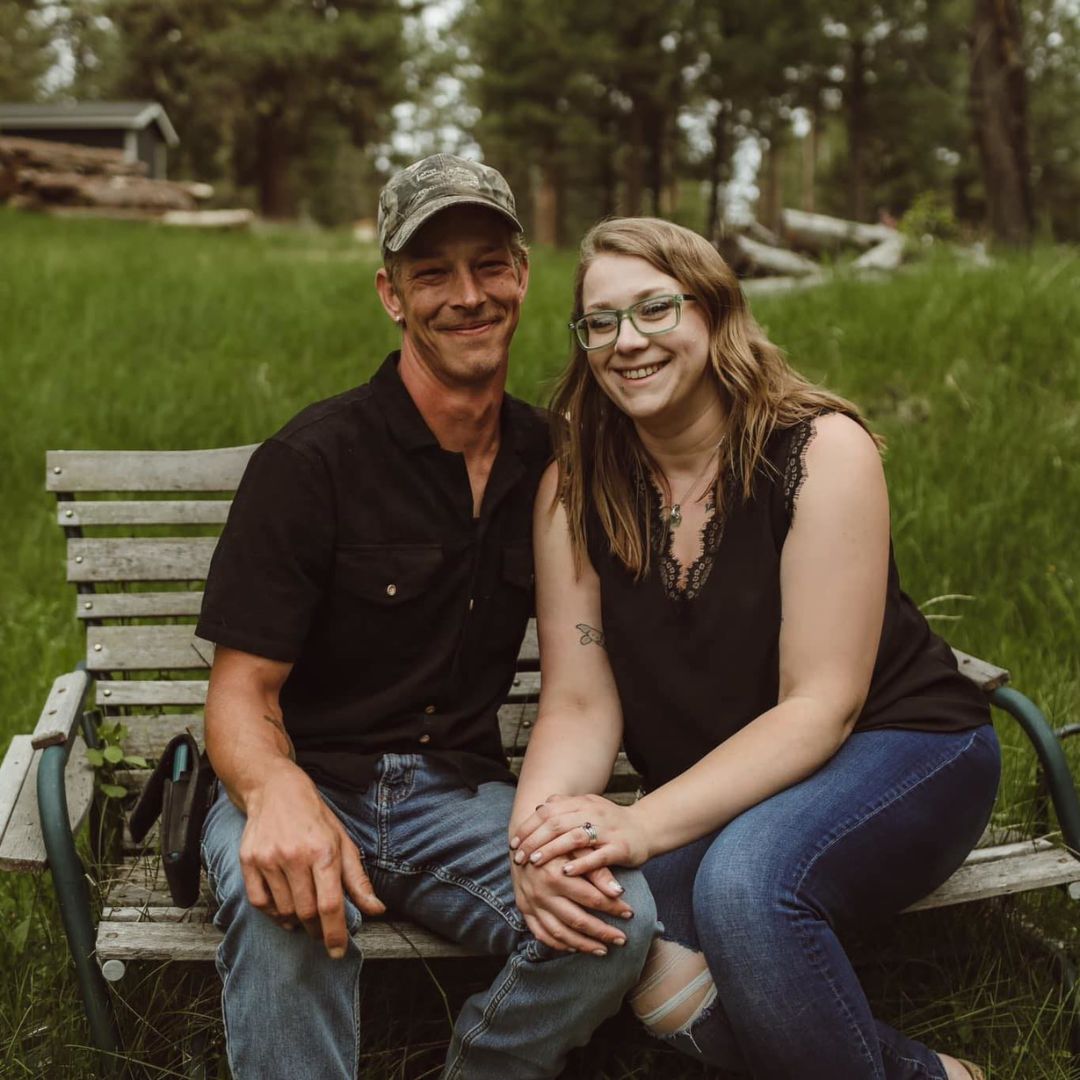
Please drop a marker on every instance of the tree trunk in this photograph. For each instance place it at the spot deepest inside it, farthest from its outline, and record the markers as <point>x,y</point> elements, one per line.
<point>276,199</point>
<point>635,168</point>
<point>856,126</point>
<point>772,191</point>
<point>998,100</point>
<point>809,164</point>
<point>546,206</point>
<point>717,172</point>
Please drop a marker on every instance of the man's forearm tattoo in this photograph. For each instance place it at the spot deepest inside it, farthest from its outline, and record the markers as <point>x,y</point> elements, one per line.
<point>590,635</point>
<point>277,723</point>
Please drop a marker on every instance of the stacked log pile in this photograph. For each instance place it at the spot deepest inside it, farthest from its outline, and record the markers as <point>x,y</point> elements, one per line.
<point>63,178</point>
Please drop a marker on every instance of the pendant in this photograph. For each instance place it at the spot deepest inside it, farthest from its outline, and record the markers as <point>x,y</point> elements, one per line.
<point>675,517</point>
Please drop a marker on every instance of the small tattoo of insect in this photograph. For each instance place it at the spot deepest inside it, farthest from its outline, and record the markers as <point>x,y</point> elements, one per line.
<point>590,635</point>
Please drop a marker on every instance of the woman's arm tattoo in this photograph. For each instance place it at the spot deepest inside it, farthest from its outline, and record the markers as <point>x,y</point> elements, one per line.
<point>590,635</point>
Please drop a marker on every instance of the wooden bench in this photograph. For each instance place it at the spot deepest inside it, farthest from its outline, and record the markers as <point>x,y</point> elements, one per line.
<point>140,529</point>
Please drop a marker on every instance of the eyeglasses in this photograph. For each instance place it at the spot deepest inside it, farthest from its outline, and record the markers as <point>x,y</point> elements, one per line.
<point>654,315</point>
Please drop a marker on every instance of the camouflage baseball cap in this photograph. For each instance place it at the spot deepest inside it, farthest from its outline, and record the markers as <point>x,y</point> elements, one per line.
<point>418,192</point>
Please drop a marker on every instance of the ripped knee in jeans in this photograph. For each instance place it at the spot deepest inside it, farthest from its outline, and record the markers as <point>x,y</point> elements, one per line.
<point>675,990</point>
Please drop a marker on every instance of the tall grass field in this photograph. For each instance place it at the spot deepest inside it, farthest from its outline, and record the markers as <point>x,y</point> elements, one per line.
<point>129,336</point>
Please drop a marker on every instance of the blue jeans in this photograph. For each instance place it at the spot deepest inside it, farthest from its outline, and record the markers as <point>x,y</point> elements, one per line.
<point>882,824</point>
<point>436,852</point>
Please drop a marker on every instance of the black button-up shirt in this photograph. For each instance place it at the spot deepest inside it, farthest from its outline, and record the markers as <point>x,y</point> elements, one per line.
<point>351,551</point>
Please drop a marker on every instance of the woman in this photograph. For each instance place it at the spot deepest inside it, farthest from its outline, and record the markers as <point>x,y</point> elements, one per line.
<point>716,590</point>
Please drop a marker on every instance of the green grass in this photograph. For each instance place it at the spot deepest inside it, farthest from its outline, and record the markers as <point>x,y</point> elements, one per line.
<point>126,336</point>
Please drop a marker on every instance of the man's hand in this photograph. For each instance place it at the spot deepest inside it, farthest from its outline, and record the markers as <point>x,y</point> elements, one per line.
<point>298,861</point>
<point>557,909</point>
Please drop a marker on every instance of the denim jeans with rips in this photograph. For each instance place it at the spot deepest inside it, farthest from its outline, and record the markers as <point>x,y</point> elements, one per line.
<point>436,851</point>
<point>882,824</point>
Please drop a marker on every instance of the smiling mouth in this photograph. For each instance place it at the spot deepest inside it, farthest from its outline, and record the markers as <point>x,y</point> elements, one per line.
<point>472,328</point>
<point>639,373</point>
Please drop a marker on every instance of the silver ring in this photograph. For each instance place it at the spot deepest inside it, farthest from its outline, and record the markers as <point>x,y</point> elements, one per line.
<point>590,831</point>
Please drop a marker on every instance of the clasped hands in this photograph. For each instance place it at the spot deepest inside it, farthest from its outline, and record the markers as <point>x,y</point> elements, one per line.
<point>560,874</point>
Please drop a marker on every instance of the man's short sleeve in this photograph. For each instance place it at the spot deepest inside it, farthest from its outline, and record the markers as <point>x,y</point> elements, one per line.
<point>273,562</point>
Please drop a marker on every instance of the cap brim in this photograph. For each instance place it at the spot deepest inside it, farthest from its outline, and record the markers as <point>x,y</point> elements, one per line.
<point>408,230</point>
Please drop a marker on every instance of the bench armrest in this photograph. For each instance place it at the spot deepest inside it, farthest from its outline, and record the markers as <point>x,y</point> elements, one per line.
<point>62,710</point>
<point>1051,757</point>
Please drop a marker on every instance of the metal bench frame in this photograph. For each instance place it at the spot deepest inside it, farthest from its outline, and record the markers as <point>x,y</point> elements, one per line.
<point>38,822</point>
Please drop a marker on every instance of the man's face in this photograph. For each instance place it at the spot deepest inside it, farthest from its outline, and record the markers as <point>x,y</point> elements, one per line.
<point>458,294</point>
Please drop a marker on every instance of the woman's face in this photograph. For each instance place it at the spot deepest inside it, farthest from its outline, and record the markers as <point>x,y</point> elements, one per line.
<point>662,380</point>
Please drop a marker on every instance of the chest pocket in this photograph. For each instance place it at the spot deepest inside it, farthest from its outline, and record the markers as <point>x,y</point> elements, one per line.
<point>387,575</point>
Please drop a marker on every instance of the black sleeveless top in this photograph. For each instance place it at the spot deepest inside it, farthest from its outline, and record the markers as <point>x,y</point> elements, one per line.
<point>694,665</point>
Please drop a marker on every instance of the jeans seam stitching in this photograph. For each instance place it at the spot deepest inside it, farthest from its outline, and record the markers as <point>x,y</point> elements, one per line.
<point>497,999</point>
<point>507,914</point>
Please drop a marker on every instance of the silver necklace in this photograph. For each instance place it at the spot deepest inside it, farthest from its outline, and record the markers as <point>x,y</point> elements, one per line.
<point>674,511</point>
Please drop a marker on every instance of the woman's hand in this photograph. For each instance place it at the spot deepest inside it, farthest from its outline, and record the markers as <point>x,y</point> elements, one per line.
<point>558,908</point>
<point>557,829</point>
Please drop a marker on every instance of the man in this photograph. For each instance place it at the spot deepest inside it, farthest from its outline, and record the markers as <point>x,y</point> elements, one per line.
<point>368,598</point>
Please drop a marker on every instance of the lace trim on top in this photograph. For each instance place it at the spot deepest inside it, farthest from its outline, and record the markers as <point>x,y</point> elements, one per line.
<point>795,466</point>
<point>662,541</point>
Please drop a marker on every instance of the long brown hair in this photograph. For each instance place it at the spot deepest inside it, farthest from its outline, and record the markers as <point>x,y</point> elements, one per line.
<point>595,441</point>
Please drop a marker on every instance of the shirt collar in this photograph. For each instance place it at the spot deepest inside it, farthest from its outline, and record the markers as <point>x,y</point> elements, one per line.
<point>410,429</point>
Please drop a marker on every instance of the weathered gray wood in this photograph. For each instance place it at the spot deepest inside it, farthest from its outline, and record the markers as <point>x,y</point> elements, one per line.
<point>148,735</point>
<point>819,232</point>
<point>139,559</point>
<point>137,605</point>
<point>146,470</point>
<point>529,653</point>
<point>193,691</point>
<point>147,512</point>
<point>13,772</point>
<point>150,692</point>
<point>61,711</point>
<point>887,255</point>
<point>23,847</point>
<point>146,648</point>
<point>984,675</point>
<point>192,941</point>
<point>1016,872</point>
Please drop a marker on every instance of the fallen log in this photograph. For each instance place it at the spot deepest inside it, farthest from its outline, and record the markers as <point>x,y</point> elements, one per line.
<point>819,232</point>
<point>209,219</point>
<point>773,260</point>
<point>887,255</point>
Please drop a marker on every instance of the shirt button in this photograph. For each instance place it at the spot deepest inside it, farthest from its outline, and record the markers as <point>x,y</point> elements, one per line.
<point>391,589</point>
<point>429,709</point>
<point>425,738</point>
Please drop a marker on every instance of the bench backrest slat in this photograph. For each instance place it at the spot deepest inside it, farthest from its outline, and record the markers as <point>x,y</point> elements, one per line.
<point>140,559</point>
<point>150,512</point>
<point>137,605</point>
<point>72,471</point>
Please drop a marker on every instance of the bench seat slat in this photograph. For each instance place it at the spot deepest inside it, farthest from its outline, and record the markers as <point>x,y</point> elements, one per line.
<point>22,846</point>
<point>146,470</point>
<point>146,512</point>
<point>138,931</point>
<point>139,692</point>
<point>984,675</point>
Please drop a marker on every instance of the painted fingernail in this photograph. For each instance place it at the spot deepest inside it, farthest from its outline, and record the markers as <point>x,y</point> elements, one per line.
<point>337,952</point>
<point>600,952</point>
<point>620,941</point>
<point>617,889</point>
<point>570,948</point>
<point>519,858</point>
<point>535,857</point>
<point>568,868</point>
<point>514,843</point>
<point>626,914</point>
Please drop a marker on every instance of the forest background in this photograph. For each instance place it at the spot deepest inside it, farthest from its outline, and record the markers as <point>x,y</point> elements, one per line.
<point>967,111</point>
